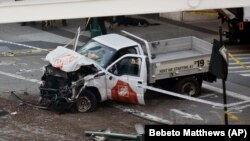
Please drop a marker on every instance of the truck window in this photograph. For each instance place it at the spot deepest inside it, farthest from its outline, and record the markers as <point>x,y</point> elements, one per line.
<point>127,66</point>
<point>124,51</point>
<point>97,52</point>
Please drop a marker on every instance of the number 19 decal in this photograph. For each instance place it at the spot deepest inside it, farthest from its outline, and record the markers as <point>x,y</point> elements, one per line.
<point>199,63</point>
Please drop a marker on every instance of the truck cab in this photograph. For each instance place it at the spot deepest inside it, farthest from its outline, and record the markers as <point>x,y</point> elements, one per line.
<point>121,59</point>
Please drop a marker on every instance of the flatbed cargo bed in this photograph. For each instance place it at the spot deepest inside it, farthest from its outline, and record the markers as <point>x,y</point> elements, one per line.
<point>178,57</point>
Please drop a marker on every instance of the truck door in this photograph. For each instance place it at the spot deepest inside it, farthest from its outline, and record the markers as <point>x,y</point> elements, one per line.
<point>123,78</point>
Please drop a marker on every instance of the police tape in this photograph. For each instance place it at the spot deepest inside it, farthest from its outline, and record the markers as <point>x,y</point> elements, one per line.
<point>32,50</point>
<point>192,98</point>
<point>19,44</point>
<point>23,52</point>
<point>37,50</point>
<point>211,103</point>
<point>178,95</point>
<point>67,45</point>
<point>237,61</point>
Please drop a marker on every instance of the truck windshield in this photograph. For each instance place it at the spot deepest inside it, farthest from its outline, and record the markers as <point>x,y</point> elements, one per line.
<point>97,52</point>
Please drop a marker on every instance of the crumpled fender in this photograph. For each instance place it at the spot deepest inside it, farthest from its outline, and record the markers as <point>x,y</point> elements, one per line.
<point>67,60</point>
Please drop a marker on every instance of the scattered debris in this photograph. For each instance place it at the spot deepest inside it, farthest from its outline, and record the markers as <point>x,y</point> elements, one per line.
<point>22,102</point>
<point>100,138</point>
<point>106,134</point>
<point>143,115</point>
<point>13,113</point>
<point>140,129</point>
<point>187,115</point>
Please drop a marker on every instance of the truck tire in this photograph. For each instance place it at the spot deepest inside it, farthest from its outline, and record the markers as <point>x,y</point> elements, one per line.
<point>188,86</point>
<point>86,102</point>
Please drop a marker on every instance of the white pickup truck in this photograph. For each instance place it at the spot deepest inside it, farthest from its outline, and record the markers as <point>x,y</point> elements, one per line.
<point>111,67</point>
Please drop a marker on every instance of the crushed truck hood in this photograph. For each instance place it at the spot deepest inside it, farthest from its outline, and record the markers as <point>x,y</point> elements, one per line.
<point>67,60</point>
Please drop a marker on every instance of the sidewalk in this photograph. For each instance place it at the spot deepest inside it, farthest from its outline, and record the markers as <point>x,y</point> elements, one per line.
<point>51,38</point>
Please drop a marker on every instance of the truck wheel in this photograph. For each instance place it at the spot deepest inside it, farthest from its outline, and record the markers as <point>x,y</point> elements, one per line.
<point>188,86</point>
<point>86,102</point>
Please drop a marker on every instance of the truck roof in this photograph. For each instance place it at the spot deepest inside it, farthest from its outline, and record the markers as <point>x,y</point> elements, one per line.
<point>115,41</point>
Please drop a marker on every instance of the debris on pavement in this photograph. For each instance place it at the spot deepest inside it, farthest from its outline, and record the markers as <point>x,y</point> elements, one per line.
<point>22,102</point>
<point>143,115</point>
<point>13,113</point>
<point>106,134</point>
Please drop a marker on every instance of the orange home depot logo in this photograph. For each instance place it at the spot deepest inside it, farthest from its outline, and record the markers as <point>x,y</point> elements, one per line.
<point>64,60</point>
<point>124,93</point>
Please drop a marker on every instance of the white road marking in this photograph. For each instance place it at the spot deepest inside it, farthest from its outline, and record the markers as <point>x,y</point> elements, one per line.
<point>241,54</point>
<point>241,71</point>
<point>7,63</point>
<point>20,77</point>
<point>209,95</point>
<point>229,93</point>
<point>245,75</point>
<point>238,109</point>
<point>23,45</point>
<point>142,114</point>
<point>237,67</point>
<point>187,115</point>
<point>241,58</point>
<point>13,63</point>
<point>245,63</point>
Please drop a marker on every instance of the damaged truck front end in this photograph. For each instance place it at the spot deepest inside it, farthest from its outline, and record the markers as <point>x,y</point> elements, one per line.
<point>64,81</point>
<point>62,90</point>
<point>101,69</point>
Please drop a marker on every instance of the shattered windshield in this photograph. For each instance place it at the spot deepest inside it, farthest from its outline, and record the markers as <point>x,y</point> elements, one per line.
<point>97,52</point>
